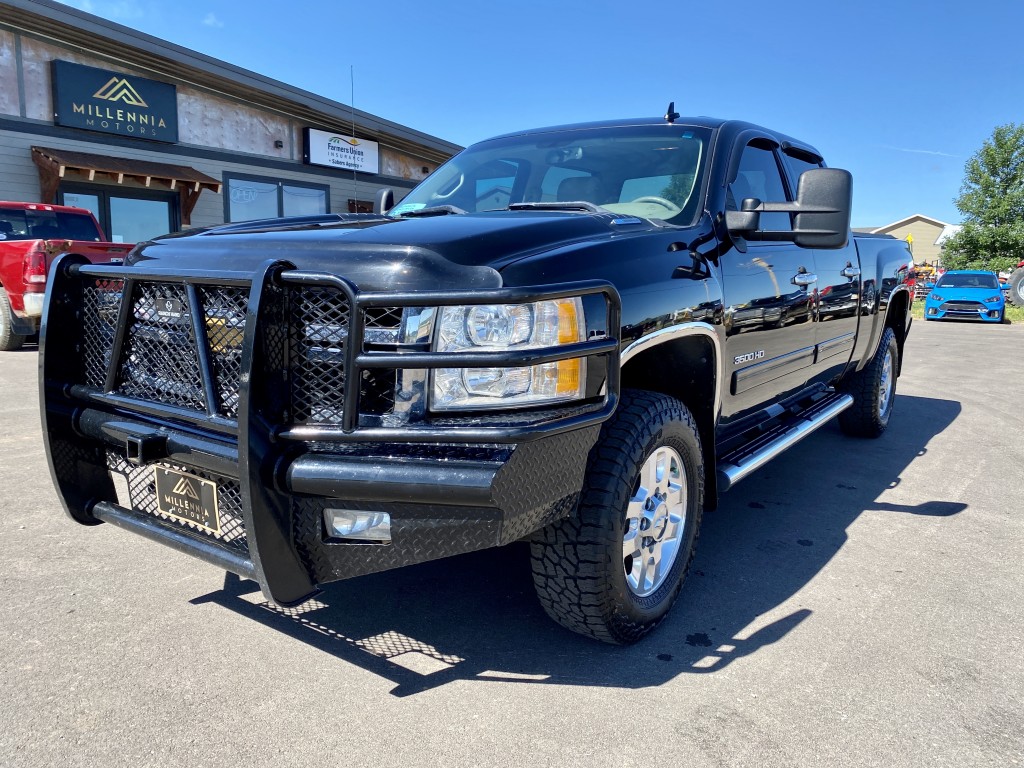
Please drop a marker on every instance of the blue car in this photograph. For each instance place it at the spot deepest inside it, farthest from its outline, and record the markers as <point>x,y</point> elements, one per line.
<point>966,294</point>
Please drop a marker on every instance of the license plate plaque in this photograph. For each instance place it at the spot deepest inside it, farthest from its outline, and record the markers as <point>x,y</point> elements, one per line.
<point>187,498</point>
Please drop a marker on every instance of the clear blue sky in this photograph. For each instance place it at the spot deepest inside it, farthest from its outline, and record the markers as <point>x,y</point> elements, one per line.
<point>901,93</point>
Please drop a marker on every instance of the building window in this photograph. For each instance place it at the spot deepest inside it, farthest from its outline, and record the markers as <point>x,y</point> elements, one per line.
<point>125,214</point>
<point>251,197</point>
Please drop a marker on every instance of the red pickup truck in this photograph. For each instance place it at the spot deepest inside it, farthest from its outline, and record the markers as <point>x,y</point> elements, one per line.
<point>32,235</point>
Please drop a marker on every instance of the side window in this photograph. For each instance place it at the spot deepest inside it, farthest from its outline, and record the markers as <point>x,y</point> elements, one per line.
<point>797,165</point>
<point>759,176</point>
<point>492,189</point>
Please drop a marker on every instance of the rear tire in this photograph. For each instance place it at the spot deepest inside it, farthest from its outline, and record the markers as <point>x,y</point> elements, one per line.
<point>1016,293</point>
<point>874,391</point>
<point>614,569</point>
<point>9,340</point>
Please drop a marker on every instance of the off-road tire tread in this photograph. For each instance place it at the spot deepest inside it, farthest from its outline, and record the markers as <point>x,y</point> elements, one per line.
<point>9,340</point>
<point>571,559</point>
<point>1015,283</point>
<point>861,419</point>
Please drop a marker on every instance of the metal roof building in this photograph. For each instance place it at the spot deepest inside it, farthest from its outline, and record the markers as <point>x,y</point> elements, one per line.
<point>153,137</point>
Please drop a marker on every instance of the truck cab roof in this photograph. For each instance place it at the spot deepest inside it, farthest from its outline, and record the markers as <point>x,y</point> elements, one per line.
<point>22,206</point>
<point>715,124</point>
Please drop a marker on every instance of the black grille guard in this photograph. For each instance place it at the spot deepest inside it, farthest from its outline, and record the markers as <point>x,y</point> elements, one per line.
<point>81,422</point>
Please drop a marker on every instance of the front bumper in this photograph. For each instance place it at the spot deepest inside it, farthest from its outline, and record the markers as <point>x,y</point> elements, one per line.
<point>988,313</point>
<point>450,485</point>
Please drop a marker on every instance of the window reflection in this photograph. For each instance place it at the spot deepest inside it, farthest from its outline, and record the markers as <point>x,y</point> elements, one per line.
<point>250,199</point>
<point>302,201</point>
<point>133,220</point>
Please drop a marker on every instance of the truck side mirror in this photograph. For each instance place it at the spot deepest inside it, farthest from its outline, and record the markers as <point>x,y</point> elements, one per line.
<point>746,221</point>
<point>824,199</point>
<point>384,201</point>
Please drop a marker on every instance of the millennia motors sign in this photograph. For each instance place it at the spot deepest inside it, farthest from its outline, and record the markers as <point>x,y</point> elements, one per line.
<point>336,150</point>
<point>112,102</point>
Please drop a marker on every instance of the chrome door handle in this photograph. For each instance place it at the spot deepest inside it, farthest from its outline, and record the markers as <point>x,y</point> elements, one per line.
<point>850,271</point>
<point>804,278</point>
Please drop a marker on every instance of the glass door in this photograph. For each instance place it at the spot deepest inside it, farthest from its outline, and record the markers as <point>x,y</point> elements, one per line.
<point>126,215</point>
<point>85,200</point>
<point>133,220</point>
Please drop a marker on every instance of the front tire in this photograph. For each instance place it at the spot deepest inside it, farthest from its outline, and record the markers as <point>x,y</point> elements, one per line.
<point>9,340</point>
<point>874,391</point>
<point>613,570</point>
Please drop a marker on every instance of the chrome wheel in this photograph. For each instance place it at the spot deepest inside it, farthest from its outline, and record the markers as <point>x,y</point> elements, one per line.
<point>885,386</point>
<point>655,521</point>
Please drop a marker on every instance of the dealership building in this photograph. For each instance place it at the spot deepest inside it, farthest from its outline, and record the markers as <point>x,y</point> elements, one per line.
<point>155,138</point>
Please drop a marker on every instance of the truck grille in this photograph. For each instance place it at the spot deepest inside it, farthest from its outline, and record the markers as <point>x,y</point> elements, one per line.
<point>318,339</point>
<point>142,497</point>
<point>306,335</point>
<point>160,361</point>
<point>100,302</point>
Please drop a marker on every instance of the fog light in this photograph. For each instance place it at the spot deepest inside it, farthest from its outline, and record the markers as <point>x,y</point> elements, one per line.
<point>932,311</point>
<point>358,525</point>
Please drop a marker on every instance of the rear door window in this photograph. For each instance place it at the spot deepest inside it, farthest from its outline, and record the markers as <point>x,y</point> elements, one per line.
<point>797,165</point>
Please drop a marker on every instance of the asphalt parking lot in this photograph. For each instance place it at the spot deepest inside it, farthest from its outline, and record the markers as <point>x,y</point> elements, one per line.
<point>855,603</point>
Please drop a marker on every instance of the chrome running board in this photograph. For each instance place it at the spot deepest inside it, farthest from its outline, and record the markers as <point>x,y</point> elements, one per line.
<point>751,456</point>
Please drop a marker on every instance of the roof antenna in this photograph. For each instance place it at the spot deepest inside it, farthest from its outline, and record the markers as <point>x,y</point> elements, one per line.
<point>671,115</point>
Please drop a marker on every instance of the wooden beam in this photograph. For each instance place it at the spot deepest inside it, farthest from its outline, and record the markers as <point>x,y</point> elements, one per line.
<point>92,174</point>
<point>49,177</point>
<point>189,198</point>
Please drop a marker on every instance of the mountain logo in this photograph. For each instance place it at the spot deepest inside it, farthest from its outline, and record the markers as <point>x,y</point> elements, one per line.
<point>119,89</point>
<point>347,140</point>
<point>185,488</point>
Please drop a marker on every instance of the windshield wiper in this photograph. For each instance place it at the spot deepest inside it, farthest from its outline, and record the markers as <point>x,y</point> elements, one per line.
<point>434,210</point>
<point>568,205</point>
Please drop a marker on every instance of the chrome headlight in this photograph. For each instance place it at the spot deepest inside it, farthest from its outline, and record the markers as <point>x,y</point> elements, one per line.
<point>509,328</point>
<point>995,299</point>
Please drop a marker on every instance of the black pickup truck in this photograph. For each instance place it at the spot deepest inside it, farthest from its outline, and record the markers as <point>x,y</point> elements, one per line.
<point>578,336</point>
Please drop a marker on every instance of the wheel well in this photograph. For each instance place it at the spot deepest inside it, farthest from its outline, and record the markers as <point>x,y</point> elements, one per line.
<point>896,318</point>
<point>687,370</point>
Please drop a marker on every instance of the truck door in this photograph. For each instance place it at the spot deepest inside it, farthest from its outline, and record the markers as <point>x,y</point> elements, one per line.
<point>838,290</point>
<point>768,294</point>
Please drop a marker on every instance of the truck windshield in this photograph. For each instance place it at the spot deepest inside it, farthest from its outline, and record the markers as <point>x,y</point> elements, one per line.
<point>984,280</point>
<point>646,171</point>
<point>17,224</point>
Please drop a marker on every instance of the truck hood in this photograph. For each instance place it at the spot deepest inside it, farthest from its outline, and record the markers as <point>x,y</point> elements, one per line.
<point>436,253</point>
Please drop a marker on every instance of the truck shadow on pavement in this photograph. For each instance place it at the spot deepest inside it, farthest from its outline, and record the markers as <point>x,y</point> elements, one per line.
<point>475,617</point>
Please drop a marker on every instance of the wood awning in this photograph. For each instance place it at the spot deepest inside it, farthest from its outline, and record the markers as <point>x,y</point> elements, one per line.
<point>55,164</point>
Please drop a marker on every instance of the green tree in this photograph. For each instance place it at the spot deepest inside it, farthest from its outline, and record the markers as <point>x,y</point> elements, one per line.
<point>679,189</point>
<point>992,201</point>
